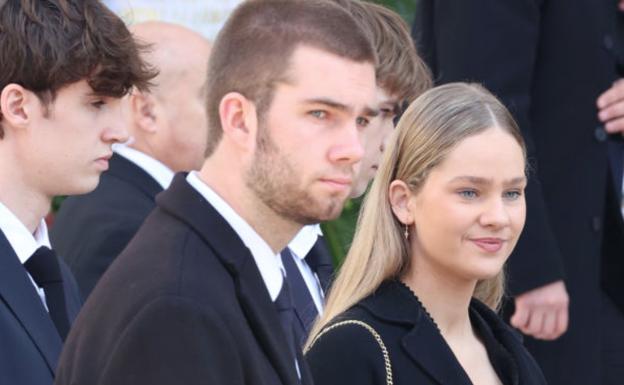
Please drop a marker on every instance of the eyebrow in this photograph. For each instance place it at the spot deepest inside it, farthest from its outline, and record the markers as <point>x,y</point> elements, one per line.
<point>366,111</point>
<point>484,181</point>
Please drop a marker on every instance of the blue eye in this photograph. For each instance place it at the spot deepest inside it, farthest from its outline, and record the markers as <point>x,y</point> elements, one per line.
<point>512,195</point>
<point>468,194</point>
<point>319,114</point>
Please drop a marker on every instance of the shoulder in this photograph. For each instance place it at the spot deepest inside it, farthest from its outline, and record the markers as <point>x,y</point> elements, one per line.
<point>349,350</point>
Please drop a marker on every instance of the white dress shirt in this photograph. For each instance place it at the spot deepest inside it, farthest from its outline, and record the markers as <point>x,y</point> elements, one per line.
<point>300,246</point>
<point>155,168</point>
<point>269,263</point>
<point>23,242</point>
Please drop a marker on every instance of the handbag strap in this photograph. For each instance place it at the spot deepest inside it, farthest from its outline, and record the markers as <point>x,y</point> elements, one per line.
<point>373,332</point>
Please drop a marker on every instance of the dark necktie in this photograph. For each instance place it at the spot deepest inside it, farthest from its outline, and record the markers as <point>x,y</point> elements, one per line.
<point>305,309</point>
<point>320,261</point>
<point>285,310</point>
<point>44,268</point>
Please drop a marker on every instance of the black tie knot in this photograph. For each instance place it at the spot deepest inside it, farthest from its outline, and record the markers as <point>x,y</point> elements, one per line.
<point>43,266</point>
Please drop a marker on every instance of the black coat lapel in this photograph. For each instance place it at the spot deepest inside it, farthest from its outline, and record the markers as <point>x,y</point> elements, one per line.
<point>18,293</point>
<point>129,172</point>
<point>183,202</point>
<point>395,303</point>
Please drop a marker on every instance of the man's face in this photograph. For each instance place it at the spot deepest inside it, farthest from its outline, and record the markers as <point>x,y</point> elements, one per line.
<point>312,136</point>
<point>65,150</point>
<point>375,137</point>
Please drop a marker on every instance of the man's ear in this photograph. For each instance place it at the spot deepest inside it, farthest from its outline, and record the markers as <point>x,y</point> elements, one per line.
<point>238,119</point>
<point>18,104</point>
<point>401,201</point>
<point>143,111</point>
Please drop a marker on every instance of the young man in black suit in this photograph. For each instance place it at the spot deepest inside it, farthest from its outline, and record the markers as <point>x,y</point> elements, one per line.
<point>566,275</point>
<point>198,295</point>
<point>168,134</point>
<point>65,66</point>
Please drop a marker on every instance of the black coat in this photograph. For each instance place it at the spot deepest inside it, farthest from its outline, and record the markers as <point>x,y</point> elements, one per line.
<point>548,60</point>
<point>418,353</point>
<point>29,342</point>
<point>184,303</point>
<point>91,230</point>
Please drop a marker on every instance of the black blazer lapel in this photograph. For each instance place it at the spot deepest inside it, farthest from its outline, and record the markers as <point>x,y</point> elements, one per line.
<point>185,203</point>
<point>129,172</point>
<point>19,295</point>
<point>395,303</point>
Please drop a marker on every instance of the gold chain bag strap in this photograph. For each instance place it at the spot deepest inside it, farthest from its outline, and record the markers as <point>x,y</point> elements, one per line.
<point>375,335</point>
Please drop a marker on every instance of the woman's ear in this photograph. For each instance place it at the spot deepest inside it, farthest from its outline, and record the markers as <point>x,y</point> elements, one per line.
<point>400,196</point>
<point>238,119</point>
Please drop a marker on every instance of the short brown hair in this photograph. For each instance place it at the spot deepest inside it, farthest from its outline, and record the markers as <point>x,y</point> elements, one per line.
<point>252,51</point>
<point>400,71</point>
<point>48,44</point>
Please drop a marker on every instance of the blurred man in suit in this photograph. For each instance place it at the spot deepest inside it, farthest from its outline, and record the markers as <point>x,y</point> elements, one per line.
<point>65,66</point>
<point>567,272</point>
<point>168,134</point>
<point>198,296</point>
<point>401,76</point>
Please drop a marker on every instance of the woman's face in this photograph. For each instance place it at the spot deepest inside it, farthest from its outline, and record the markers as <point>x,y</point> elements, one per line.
<point>470,211</point>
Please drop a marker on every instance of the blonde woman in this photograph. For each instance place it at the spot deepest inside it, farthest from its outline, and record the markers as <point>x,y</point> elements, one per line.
<point>415,301</point>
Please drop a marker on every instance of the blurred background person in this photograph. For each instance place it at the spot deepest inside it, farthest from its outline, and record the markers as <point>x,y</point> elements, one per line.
<point>168,127</point>
<point>415,301</point>
<point>549,62</point>
<point>401,76</point>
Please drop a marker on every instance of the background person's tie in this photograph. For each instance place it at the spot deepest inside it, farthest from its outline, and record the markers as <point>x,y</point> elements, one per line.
<point>303,302</point>
<point>43,267</point>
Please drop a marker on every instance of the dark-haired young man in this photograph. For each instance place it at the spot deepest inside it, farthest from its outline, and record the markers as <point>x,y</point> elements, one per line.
<point>198,296</point>
<point>65,64</point>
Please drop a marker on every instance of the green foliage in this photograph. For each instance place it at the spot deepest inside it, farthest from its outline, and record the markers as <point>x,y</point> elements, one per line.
<point>404,8</point>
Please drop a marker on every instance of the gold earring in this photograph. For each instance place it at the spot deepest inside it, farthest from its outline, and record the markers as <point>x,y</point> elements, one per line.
<point>406,233</point>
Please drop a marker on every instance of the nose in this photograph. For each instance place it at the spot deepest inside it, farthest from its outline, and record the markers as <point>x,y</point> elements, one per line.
<point>347,146</point>
<point>495,214</point>
<point>116,130</point>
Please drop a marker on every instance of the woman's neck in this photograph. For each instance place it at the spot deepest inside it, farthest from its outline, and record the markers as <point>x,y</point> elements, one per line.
<point>445,299</point>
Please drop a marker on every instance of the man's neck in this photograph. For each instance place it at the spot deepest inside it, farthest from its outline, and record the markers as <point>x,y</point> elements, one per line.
<point>28,206</point>
<point>275,230</point>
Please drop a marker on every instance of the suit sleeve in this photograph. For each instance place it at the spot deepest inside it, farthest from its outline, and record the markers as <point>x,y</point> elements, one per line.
<point>347,354</point>
<point>174,341</point>
<point>496,43</point>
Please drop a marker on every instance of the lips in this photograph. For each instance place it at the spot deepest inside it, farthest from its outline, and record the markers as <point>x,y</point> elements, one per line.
<point>490,245</point>
<point>339,183</point>
<point>102,161</point>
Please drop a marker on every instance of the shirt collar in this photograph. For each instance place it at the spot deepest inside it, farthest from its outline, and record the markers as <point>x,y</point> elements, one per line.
<point>269,263</point>
<point>21,240</point>
<point>155,168</point>
<point>305,239</point>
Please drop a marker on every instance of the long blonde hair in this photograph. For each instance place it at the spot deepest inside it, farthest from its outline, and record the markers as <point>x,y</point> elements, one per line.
<point>430,128</point>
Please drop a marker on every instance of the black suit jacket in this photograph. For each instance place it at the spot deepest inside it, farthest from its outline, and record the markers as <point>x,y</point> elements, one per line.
<point>91,230</point>
<point>184,303</point>
<point>548,60</point>
<point>349,354</point>
<point>29,342</point>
